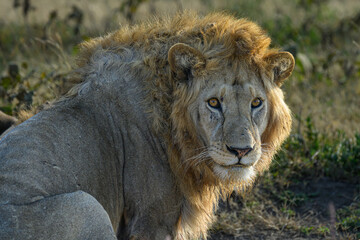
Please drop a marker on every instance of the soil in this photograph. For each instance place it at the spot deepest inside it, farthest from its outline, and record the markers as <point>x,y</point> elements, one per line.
<point>321,195</point>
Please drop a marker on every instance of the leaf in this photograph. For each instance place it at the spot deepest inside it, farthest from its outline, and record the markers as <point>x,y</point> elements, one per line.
<point>6,82</point>
<point>6,109</point>
<point>24,65</point>
<point>43,75</point>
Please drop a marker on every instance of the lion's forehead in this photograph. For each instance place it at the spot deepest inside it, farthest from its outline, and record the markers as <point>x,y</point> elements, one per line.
<point>238,80</point>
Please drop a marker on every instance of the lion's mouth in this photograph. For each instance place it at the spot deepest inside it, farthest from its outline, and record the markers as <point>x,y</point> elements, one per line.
<point>236,165</point>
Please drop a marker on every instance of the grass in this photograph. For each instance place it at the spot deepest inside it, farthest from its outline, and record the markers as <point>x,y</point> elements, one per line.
<point>318,168</point>
<point>314,154</point>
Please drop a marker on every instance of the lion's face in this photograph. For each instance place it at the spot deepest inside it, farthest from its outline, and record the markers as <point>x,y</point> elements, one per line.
<point>230,117</point>
<point>229,109</point>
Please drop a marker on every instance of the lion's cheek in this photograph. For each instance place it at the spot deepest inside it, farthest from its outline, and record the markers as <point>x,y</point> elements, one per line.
<point>261,119</point>
<point>210,127</point>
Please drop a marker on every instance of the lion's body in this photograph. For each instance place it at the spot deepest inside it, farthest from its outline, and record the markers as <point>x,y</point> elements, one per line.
<point>73,147</point>
<point>119,144</point>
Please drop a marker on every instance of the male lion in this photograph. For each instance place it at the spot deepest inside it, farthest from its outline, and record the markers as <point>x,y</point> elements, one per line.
<point>166,117</point>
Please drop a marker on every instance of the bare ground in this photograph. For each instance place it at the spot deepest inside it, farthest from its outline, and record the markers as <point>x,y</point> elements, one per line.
<point>314,209</point>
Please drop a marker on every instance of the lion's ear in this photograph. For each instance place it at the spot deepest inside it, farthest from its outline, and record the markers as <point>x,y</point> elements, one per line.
<point>280,65</point>
<point>185,61</point>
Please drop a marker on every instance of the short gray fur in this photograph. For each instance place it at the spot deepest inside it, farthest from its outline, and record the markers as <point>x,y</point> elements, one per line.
<point>72,171</point>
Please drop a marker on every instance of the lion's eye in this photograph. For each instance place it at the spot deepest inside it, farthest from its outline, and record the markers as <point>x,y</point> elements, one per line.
<point>214,103</point>
<point>256,103</point>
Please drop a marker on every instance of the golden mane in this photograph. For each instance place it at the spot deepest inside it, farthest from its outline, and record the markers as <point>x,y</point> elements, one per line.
<point>219,37</point>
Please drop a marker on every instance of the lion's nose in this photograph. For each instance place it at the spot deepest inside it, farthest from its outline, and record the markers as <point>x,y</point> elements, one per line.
<point>239,152</point>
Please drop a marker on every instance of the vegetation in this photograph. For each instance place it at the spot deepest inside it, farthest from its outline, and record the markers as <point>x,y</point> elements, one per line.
<point>312,189</point>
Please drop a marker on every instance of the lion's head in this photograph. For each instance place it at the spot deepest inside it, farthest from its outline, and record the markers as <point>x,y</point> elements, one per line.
<point>229,116</point>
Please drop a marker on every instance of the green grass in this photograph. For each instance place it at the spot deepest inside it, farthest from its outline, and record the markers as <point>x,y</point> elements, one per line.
<point>349,218</point>
<point>313,154</point>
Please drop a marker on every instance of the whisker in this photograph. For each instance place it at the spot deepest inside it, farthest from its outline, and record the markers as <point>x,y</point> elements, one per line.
<point>196,157</point>
<point>263,144</point>
<point>267,150</point>
<point>277,162</point>
<point>200,148</point>
<point>266,145</point>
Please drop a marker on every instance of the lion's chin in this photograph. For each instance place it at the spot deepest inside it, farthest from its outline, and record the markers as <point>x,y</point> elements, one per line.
<point>239,174</point>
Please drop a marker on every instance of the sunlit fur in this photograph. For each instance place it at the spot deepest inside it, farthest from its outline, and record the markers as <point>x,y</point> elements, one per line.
<point>220,38</point>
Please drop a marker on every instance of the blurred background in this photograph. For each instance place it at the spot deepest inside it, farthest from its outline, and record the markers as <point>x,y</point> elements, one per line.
<point>312,190</point>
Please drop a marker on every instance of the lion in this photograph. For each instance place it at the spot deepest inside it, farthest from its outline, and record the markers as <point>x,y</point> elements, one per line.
<point>166,117</point>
